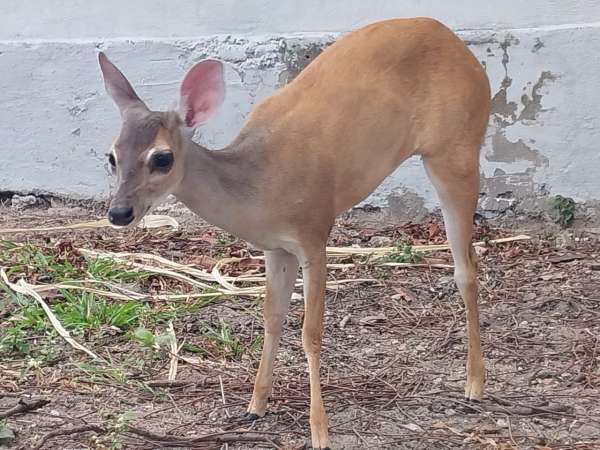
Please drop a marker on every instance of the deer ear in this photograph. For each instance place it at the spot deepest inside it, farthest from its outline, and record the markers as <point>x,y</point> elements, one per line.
<point>117,85</point>
<point>202,92</point>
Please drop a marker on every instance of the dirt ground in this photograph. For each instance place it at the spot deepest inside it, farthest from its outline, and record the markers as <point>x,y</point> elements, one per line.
<point>393,353</point>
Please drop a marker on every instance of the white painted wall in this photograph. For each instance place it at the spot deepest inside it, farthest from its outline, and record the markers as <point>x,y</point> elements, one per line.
<point>56,121</point>
<point>83,19</point>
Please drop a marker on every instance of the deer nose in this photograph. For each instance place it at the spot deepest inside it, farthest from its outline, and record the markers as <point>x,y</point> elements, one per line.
<point>120,216</point>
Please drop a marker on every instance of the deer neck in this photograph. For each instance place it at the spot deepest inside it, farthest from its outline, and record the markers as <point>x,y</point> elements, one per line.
<point>221,186</point>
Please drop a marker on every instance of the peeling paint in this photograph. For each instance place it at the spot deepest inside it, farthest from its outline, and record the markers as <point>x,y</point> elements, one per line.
<point>506,151</point>
<point>505,111</point>
<point>502,191</point>
<point>296,55</point>
<point>241,52</point>
<point>406,205</point>
<point>290,54</point>
<point>514,104</point>
<point>538,45</point>
<point>533,105</point>
<point>509,40</point>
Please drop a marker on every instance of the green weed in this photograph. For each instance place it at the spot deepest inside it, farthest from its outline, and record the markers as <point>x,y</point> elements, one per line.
<point>404,253</point>
<point>563,210</point>
<point>14,341</point>
<point>46,264</point>
<point>256,344</point>
<point>150,340</point>
<point>89,311</point>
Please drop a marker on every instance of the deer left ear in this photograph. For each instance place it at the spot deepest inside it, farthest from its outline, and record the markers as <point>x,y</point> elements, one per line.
<point>202,92</point>
<point>117,85</point>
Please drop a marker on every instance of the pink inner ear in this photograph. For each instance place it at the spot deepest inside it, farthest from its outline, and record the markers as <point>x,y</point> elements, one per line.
<point>202,92</point>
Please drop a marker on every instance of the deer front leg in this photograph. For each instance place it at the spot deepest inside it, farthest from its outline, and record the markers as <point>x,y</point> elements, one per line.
<point>314,271</point>
<point>281,269</point>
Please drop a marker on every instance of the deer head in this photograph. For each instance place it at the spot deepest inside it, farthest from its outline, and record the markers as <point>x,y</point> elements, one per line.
<point>148,156</point>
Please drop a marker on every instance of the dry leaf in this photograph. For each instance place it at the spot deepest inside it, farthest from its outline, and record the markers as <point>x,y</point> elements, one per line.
<point>157,221</point>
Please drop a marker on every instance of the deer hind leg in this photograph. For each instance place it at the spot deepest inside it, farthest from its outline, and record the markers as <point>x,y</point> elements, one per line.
<point>282,270</point>
<point>455,176</point>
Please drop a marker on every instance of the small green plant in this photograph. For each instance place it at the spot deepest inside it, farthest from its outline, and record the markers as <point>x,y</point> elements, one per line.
<point>26,331</point>
<point>7,436</point>
<point>27,315</point>
<point>14,341</point>
<point>256,345</point>
<point>404,253</point>
<point>224,338</point>
<point>150,340</point>
<point>563,210</point>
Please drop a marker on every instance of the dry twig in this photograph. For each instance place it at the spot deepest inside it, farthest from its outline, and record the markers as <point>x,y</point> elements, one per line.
<point>172,440</point>
<point>24,406</point>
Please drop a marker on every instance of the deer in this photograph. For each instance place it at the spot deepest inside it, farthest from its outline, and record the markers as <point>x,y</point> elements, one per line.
<point>310,151</point>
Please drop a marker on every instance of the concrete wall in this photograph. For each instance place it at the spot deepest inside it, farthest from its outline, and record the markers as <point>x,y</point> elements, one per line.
<point>56,122</point>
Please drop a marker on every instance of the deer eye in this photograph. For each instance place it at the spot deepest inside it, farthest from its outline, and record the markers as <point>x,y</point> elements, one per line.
<point>112,162</point>
<point>162,161</point>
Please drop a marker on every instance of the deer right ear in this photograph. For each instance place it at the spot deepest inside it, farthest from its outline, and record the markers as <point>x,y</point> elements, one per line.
<point>202,92</point>
<point>117,85</point>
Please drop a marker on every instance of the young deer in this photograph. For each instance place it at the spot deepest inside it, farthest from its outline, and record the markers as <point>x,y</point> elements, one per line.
<point>310,151</point>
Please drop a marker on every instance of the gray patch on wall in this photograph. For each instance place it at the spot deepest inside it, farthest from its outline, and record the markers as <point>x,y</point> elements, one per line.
<point>502,192</point>
<point>405,205</point>
<point>504,114</point>
<point>506,151</point>
<point>297,54</point>
<point>502,109</point>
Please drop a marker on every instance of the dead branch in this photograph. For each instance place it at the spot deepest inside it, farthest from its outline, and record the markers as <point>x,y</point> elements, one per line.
<point>68,432</point>
<point>519,409</point>
<point>227,437</point>
<point>24,406</point>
